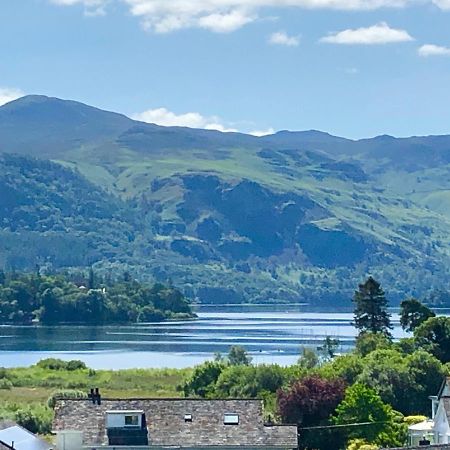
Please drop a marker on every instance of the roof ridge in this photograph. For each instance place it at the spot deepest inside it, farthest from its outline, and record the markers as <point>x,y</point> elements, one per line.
<point>165,399</point>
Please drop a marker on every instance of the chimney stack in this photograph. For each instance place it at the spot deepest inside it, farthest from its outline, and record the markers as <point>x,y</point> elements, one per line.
<point>95,396</point>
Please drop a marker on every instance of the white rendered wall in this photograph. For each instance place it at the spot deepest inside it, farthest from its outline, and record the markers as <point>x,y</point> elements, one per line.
<point>69,440</point>
<point>441,426</point>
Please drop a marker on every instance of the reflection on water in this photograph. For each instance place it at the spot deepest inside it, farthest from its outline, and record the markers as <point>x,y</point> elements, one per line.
<point>269,333</point>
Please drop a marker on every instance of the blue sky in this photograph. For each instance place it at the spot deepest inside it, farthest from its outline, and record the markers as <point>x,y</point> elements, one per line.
<point>355,68</point>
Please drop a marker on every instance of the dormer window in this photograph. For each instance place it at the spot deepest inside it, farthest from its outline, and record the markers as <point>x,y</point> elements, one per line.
<point>231,419</point>
<point>124,419</point>
<point>126,428</point>
<point>132,421</point>
<point>188,417</point>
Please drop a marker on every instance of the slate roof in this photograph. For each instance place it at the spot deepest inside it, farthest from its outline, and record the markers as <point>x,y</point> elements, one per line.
<point>167,427</point>
<point>445,384</point>
<point>22,439</point>
<point>6,424</point>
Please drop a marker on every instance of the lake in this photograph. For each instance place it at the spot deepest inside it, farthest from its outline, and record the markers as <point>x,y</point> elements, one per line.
<point>271,334</point>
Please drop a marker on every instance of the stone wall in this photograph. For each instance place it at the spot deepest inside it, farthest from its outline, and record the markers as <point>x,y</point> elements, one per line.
<point>166,425</point>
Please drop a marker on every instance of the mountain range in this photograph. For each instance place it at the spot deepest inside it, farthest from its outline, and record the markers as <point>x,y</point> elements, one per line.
<point>228,217</point>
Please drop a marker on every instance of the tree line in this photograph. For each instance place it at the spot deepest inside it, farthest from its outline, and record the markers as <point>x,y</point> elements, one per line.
<point>86,298</point>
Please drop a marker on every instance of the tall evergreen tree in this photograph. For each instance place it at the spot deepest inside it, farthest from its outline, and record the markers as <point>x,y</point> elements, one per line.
<point>370,314</point>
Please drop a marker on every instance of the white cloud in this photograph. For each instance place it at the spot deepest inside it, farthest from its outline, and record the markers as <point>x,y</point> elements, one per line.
<point>433,50</point>
<point>442,4</point>
<point>163,16</point>
<point>380,33</point>
<point>260,133</point>
<point>225,23</point>
<point>9,94</point>
<point>282,38</point>
<point>166,118</point>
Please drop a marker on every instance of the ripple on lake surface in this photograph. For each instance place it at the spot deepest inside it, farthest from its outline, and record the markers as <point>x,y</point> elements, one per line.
<point>271,335</point>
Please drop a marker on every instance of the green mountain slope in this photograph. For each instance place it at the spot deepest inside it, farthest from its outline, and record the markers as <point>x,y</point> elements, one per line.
<point>226,216</point>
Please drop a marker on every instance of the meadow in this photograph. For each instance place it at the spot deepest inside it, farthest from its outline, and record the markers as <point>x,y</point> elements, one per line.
<point>24,392</point>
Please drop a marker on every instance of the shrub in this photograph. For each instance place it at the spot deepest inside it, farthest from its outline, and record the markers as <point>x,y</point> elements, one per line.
<point>59,364</point>
<point>5,384</point>
<point>361,444</point>
<point>75,365</point>
<point>52,364</point>
<point>412,420</point>
<point>37,420</point>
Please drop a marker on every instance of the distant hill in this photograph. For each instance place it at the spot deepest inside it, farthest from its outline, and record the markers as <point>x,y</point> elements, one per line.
<point>226,216</point>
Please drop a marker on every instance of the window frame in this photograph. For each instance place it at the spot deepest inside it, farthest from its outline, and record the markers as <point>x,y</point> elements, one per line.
<point>136,416</point>
<point>231,419</point>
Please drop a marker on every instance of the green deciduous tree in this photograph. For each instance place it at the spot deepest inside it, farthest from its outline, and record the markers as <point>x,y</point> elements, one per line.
<point>362,405</point>
<point>387,373</point>
<point>434,336</point>
<point>203,379</point>
<point>347,367</point>
<point>413,313</point>
<point>403,381</point>
<point>370,314</point>
<point>249,381</point>
<point>368,342</point>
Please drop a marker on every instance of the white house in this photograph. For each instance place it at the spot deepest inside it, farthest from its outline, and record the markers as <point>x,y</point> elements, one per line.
<point>436,430</point>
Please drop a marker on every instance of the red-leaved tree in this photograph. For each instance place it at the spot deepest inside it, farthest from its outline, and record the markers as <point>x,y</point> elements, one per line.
<point>310,401</point>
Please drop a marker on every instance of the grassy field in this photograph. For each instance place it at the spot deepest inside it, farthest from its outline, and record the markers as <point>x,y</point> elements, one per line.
<point>25,391</point>
<point>37,383</point>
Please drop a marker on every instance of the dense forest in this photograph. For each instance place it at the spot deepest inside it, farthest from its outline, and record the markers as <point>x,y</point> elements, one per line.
<point>54,299</point>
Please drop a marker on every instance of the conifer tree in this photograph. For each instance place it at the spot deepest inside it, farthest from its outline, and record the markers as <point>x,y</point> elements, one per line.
<point>91,280</point>
<point>370,314</point>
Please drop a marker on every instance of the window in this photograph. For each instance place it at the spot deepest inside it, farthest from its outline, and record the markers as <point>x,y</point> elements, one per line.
<point>188,417</point>
<point>131,421</point>
<point>231,419</point>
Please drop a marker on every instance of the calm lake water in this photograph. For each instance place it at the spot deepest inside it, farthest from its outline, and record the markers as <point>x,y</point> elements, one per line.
<point>271,334</point>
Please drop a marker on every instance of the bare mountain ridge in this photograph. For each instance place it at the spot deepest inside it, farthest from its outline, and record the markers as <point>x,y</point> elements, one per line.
<point>26,123</point>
